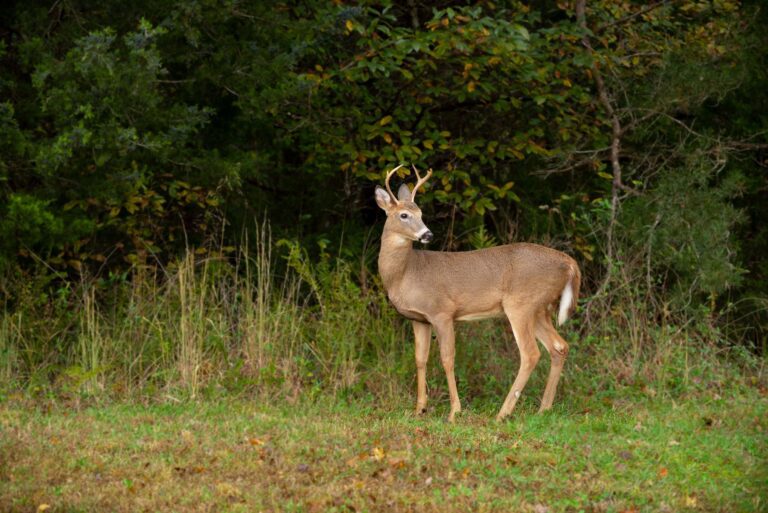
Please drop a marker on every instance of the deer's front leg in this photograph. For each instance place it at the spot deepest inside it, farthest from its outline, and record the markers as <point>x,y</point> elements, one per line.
<point>447,341</point>
<point>423,334</point>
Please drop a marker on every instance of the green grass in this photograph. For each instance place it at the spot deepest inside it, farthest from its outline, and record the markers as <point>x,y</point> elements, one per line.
<point>701,453</point>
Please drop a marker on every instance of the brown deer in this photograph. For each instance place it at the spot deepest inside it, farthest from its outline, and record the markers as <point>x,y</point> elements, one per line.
<point>434,289</point>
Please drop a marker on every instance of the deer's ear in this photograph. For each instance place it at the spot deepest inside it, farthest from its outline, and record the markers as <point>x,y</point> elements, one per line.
<point>404,193</point>
<point>383,199</point>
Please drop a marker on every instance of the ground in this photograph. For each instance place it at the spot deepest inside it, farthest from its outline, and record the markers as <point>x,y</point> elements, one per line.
<point>650,454</point>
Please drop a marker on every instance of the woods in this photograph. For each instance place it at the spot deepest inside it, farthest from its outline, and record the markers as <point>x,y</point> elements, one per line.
<point>629,135</point>
<point>194,318</point>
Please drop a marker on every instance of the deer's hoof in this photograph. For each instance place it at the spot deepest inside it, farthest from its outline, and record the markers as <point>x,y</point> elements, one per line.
<point>452,416</point>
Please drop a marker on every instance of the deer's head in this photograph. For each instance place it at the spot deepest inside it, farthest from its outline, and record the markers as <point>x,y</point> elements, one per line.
<point>403,215</point>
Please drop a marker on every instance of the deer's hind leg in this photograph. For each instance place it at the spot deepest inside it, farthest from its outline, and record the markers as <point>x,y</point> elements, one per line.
<point>557,348</point>
<point>522,321</point>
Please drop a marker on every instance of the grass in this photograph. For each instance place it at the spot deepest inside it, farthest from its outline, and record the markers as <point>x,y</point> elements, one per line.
<point>702,453</point>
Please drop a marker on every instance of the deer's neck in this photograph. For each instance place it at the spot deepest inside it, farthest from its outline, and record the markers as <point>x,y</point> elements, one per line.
<point>394,255</point>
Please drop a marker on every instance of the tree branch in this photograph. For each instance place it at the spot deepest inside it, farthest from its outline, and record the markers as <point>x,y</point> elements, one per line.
<point>644,10</point>
<point>616,133</point>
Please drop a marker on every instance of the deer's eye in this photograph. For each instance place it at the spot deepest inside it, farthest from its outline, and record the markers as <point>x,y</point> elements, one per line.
<point>403,216</point>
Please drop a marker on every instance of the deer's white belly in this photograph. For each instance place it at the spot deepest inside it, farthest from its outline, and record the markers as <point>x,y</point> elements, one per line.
<point>476,316</point>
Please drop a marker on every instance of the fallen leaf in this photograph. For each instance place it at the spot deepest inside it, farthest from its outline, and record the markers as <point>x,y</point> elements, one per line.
<point>43,507</point>
<point>397,462</point>
<point>540,508</point>
<point>428,481</point>
<point>663,472</point>
<point>378,453</point>
<point>673,443</point>
<point>691,501</point>
<point>354,460</point>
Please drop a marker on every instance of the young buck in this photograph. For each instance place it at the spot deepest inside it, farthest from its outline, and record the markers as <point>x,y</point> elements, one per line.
<point>434,289</point>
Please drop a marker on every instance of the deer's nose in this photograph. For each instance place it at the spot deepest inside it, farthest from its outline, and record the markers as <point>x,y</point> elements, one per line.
<point>427,237</point>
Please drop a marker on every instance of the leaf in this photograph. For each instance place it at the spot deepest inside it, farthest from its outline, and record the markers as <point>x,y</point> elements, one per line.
<point>43,507</point>
<point>663,472</point>
<point>385,120</point>
<point>378,453</point>
<point>602,174</point>
<point>354,460</point>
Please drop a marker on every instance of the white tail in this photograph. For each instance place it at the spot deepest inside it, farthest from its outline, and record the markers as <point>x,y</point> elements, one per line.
<point>566,300</point>
<point>435,289</point>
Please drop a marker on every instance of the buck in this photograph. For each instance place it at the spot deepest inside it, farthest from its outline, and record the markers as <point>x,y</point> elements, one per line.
<point>434,289</point>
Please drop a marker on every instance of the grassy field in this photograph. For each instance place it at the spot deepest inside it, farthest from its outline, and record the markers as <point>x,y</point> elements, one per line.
<point>605,454</point>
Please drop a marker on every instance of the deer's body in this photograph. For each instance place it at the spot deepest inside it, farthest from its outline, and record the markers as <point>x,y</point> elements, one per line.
<point>476,282</point>
<point>434,289</point>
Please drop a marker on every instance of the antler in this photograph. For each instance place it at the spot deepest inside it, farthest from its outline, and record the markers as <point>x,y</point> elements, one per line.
<point>421,181</point>
<point>386,182</point>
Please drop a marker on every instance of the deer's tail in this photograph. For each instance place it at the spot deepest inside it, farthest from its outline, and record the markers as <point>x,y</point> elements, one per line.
<point>570,294</point>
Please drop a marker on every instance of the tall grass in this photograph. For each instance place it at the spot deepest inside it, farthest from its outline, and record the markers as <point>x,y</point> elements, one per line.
<point>212,324</point>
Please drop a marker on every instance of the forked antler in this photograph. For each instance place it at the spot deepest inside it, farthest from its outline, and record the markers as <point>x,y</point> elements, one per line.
<point>421,181</point>
<point>386,182</point>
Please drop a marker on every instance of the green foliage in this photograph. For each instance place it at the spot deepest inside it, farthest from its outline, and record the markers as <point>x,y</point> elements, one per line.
<point>482,239</point>
<point>475,93</point>
<point>686,222</point>
<point>132,132</point>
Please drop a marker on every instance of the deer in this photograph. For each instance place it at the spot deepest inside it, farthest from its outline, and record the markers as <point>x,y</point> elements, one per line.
<point>435,289</point>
